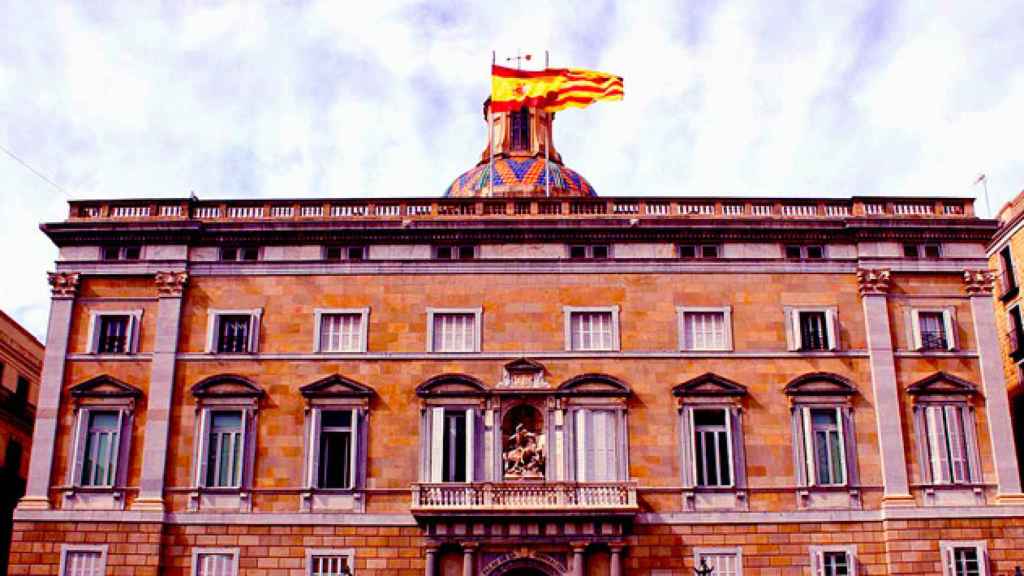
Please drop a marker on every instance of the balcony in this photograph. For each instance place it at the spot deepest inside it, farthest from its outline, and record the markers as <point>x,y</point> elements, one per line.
<point>529,498</point>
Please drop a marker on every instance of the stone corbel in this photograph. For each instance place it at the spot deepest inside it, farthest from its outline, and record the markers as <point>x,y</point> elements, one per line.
<point>979,282</point>
<point>873,281</point>
<point>64,284</point>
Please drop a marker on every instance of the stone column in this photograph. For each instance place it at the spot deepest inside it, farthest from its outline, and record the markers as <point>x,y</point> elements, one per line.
<point>978,284</point>
<point>64,288</point>
<point>578,548</point>
<point>430,560</point>
<point>874,286</point>
<point>616,558</point>
<point>170,289</point>
<point>468,566</point>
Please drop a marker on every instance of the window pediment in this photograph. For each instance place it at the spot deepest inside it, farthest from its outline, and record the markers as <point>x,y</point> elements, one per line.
<point>336,386</point>
<point>820,384</point>
<point>942,384</point>
<point>710,385</point>
<point>227,386</point>
<point>104,386</point>
<point>594,385</point>
<point>451,385</point>
<point>523,373</point>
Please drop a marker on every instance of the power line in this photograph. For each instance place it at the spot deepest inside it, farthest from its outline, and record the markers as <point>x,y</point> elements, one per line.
<point>34,171</point>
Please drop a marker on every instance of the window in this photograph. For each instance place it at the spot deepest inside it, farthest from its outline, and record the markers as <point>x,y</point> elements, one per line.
<point>712,447</point>
<point>705,328</point>
<point>519,133</point>
<point>114,332</point>
<point>330,562</point>
<point>592,329</point>
<point>597,433</point>
<point>239,253</point>
<point>805,252</point>
<point>722,561</point>
<point>452,446</point>
<point>121,252</point>
<point>453,330</point>
<point>824,445</point>
<point>584,252</point>
<point>812,329</point>
<point>233,331</point>
<point>341,330</point>
<point>702,251</point>
<point>712,458</point>
<point>12,457</point>
<point>21,392</point>
<point>834,564</point>
<point>225,445</point>
<point>964,558</point>
<point>214,561</point>
<point>949,445</point>
<point>102,446</point>
<point>934,329</point>
<point>80,560</point>
<point>102,434</point>
<point>922,251</point>
<point>1009,275</point>
<point>344,252</point>
<point>1016,332</point>
<point>336,454</point>
<point>465,252</point>
<point>224,453</point>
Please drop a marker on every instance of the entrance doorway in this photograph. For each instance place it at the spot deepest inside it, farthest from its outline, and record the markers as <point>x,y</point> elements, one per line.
<point>524,572</point>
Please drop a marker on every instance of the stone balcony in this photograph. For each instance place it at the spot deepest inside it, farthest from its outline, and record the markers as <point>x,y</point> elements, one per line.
<point>527,498</point>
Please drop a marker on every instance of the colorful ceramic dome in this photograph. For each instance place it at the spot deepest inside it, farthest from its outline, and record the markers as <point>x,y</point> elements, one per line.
<point>521,146</point>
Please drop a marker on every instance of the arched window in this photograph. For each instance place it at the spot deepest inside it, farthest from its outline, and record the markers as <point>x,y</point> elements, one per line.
<point>520,129</point>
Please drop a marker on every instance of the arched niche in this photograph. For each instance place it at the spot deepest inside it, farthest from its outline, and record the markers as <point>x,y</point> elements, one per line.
<point>524,442</point>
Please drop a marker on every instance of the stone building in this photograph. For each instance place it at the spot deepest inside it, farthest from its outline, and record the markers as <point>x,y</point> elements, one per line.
<point>522,379</point>
<point>21,360</point>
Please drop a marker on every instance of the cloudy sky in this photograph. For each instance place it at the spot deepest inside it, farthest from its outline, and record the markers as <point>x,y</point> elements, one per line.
<point>306,99</point>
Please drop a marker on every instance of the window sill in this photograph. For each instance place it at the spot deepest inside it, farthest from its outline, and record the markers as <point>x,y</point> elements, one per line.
<point>332,500</point>
<point>93,498</point>
<point>832,497</point>
<point>954,495</point>
<point>698,499</point>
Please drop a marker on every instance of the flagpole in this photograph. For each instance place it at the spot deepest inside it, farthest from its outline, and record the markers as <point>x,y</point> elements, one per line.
<point>490,131</point>
<point>547,146</point>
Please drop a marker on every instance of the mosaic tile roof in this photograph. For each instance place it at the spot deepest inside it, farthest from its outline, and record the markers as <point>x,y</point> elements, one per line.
<point>524,176</point>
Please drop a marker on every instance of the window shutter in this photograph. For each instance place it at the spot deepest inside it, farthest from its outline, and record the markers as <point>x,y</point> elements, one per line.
<point>132,345</point>
<point>938,455</point>
<point>124,447</point>
<point>818,559</point>
<point>693,447</point>
<point>738,459</point>
<point>949,320</point>
<point>842,444</point>
<point>202,445</point>
<point>799,446</point>
<point>809,455</point>
<point>254,330</point>
<point>81,430</point>
<point>247,448</point>
<point>794,329</point>
<point>94,334</point>
<point>830,329</point>
<point>851,561</point>
<point>850,447</point>
<point>921,437</point>
<point>685,450</point>
<point>581,445</point>
<point>470,445</point>
<point>115,451</point>
<point>212,321</point>
<point>971,438</point>
<point>949,561</point>
<point>313,446</point>
<point>353,449</point>
<point>957,444</point>
<point>915,323</point>
<point>436,444</point>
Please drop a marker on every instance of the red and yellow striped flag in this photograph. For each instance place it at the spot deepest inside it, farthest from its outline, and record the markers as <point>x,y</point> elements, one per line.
<point>552,89</point>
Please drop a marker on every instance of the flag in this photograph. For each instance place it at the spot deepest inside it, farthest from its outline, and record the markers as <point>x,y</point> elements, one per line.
<point>552,89</point>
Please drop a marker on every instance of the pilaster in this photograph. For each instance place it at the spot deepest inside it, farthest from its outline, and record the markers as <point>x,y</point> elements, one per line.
<point>170,289</point>
<point>979,284</point>
<point>578,549</point>
<point>430,559</point>
<point>64,288</point>
<point>873,286</point>
<point>468,564</point>
<point>616,558</point>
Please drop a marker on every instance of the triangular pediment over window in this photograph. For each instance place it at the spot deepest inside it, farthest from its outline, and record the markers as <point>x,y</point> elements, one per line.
<point>942,384</point>
<point>227,385</point>
<point>524,366</point>
<point>710,384</point>
<point>594,385</point>
<point>452,385</point>
<point>336,386</point>
<point>820,384</point>
<point>104,387</point>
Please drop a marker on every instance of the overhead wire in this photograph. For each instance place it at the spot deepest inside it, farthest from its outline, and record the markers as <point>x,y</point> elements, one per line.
<point>34,171</point>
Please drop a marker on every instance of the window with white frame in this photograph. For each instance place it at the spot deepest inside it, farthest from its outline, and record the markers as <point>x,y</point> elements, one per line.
<point>330,562</point>
<point>811,329</point>
<point>452,448</point>
<point>224,452</point>
<point>114,332</point>
<point>933,329</point>
<point>341,330</point>
<point>592,329</point>
<point>233,331</point>
<point>712,447</point>
<point>838,561</point>
<point>214,562</point>
<point>948,443</point>
<point>964,558</point>
<point>102,445</point>
<point>597,433</point>
<point>705,328</point>
<point>722,561</point>
<point>82,560</point>
<point>1008,274</point>
<point>225,433</point>
<point>454,330</point>
<point>335,458</point>
<point>102,436</point>
<point>824,445</point>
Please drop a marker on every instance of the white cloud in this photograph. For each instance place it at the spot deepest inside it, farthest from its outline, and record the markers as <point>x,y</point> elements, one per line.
<point>383,99</point>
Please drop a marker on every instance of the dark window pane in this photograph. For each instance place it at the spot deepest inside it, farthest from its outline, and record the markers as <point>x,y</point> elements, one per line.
<point>910,251</point>
<point>229,254</point>
<point>932,326</point>
<point>687,251</point>
<point>336,419</point>
<point>709,252</point>
<point>234,333</point>
<point>793,252</point>
<point>577,252</point>
<point>454,467</point>
<point>815,252</point>
<point>932,251</point>
<point>813,334</point>
<point>723,459</point>
<point>444,252</point>
<point>1009,275</point>
<point>250,253</point>
<point>12,457</point>
<point>466,252</point>
<point>113,338</point>
<point>132,252</point>
<point>335,459</point>
<point>111,253</point>
<point>600,251</point>
<point>332,253</point>
<point>702,477</point>
<point>520,130</point>
<point>356,252</point>
<point>709,417</point>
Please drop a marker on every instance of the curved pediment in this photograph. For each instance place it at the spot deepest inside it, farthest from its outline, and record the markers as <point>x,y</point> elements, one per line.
<point>942,384</point>
<point>594,385</point>
<point>336,386</point>
<point>104,387</point>
<point>710,384</point>
<point>227,385</point>
<point>452,385</point>
<point>820,384</point>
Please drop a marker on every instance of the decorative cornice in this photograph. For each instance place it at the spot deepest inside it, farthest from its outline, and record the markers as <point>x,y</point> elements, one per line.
<point>873,281</point>
<point>979,282</point>
<point>63,284</point>
<point>171,284</point>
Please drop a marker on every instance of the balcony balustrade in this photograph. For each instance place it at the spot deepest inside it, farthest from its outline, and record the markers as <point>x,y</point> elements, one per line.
<point>525,497</point>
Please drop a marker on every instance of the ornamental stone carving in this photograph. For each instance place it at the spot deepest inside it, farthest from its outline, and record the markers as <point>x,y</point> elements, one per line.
<point>979,282</point>
<point>524,455</point>
<point>171,283</point>
<point>63,284</point>
<point>873,281</point>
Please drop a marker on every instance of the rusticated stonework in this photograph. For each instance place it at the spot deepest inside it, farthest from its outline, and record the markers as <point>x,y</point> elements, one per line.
<point>63,284</point>
<point>979,282</point>
<point>171,284</point>
<point>873,281</point>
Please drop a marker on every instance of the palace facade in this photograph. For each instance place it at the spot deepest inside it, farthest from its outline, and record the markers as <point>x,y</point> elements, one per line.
<point>522,378</point>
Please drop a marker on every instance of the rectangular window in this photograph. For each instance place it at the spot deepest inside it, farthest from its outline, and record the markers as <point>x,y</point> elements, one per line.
<point>121,252</point>
<point>464,252</point>
<point>519,123</point>
<point>933,329</point>
<point>582,252</point>
<point>336,458</point>
<point>83,560</point>
<point>113,337</point>
<point>239,253</point>
<point>712,447</point>
<point>805,252</point>
<point>835,564</point>
<point>1009,275</point>
<point>722,562</point>
<point>102,446</point>
<point>596,446</point>
<point>454,331</point>
<point>344,252</point>
<point>341,332</point>
<point>452,450</point>
<point>21,391</point>
<point>225,449</point>
<point>214,563</point>
<point>824,448</point>
<point>932,251</point>
<point>454,447</point>
<point>705,329</point>
<point>592,330</point>
<point>947,444</point>
<point>1016,332</point>
<point>330,562</point>
<point>233,334</point>
<point>813,331</point>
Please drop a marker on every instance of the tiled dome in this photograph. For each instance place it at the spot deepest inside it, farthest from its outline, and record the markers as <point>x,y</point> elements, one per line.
<point>519,177</point>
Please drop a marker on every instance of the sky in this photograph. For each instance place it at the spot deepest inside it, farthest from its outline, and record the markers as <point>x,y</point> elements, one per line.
<point>345,99</point>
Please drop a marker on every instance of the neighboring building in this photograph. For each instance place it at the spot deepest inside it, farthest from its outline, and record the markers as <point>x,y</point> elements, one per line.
<point>21,361</point>
<point>505,382</point>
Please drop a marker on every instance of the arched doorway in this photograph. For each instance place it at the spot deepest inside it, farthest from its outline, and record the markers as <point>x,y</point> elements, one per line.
<point>515,565</point>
